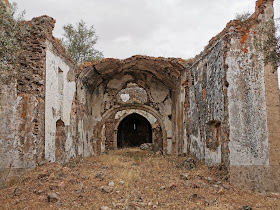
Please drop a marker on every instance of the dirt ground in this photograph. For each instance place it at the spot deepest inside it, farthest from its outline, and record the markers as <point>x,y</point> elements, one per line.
<point>130,179</point>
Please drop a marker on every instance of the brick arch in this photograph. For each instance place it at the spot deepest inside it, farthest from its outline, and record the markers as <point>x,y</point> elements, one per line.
<point>167,70</point>
<point>115,116</point>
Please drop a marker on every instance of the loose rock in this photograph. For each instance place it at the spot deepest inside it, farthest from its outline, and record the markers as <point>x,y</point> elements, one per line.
<point>247,208</point>
<point>186,176</point>
<point>105,189</point>
<point>172,186</point>
<point>111,184</point>
<point>221,191</point>
<point>52,197</point>
<point>99,175</point>
<point>146,146</point>
<point>162,188</point>
<point>18,191</point>
<point>189,163</point>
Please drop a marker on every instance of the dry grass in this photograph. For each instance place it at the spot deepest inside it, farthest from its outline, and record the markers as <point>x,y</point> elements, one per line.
<point>138,177</point>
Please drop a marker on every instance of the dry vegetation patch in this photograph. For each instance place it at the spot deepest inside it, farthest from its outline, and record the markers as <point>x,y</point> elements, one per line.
<point>129,179</point>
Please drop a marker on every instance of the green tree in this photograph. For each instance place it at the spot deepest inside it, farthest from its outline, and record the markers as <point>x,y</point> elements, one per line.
<point>80,42</point>
<point>271,44</point>
<point>12,30</point>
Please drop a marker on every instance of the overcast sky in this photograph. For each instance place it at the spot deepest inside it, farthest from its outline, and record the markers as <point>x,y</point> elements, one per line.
<point>168,28</point>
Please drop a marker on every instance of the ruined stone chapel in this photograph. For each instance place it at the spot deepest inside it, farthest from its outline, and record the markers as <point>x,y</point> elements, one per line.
<point>222,106</point>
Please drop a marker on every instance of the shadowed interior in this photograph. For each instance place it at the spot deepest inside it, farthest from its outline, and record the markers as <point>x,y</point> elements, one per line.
<point>133,131</point>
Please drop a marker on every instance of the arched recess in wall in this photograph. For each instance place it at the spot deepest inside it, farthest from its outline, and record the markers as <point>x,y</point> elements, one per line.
<point>60,137</point>
<point>117,114</point>
<point>133,131</point>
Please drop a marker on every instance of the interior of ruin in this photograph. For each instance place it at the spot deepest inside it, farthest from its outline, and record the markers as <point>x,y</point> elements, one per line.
<point>222,106</point>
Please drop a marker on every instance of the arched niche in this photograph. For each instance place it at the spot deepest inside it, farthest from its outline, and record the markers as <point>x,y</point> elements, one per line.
<point>133,131</point>
<point>114,117</point>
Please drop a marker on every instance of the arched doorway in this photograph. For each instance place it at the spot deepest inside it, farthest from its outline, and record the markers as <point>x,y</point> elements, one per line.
<point>133,131</point>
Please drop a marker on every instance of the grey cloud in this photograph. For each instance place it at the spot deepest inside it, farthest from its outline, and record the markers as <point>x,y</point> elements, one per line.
<point>170,28</point>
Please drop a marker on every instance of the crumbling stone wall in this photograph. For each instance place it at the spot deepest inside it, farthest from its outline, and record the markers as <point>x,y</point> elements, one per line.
<point>254,153</point>
<point>205,103</point>
<point>232,104</point>
<point>22,95</point>
<point>22,105</point>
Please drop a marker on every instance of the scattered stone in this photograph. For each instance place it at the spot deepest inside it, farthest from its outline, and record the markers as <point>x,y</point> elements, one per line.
<point>207,202</point>
<point>38,192</point>
<point>186,176</point>
<point>77,191</point>
<point>60,175</point>
<point>99,175</point>
<point>146,146</point>
<point>111,184</point>
<point>162,188</point>
<point>18,191</point>
<point>172,186</point>
<point>275,195</point>
<point>150,204</point>
<point>61,185</point>
<point>105,167</point>
<point>160,152</point>
<point>204,185</point>
<point>105,189</point>
<point>227,187</point>
<point>196,197</point>
<point>210,180</point>
<point>82,186</point>
<point>189,163</point>
<point>195,186</point>
<point>121,182</point>
<point>52,197</point>
<point>187,184</point>
<point>82,197</point>
<point>41,163</point>
<point>247,208</point>
<point>59,203</point>
<point>53,187</point>
<point>43,175</point>
<point>221,191</point>
<point>215,186</point>
<point>119,205</point>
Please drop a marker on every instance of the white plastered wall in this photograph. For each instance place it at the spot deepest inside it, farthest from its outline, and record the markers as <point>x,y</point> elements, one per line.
<point>57,103</point>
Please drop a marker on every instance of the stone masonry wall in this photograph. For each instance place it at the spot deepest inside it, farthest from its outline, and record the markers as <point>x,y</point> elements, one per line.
<point>22,107</point>
<point>232,104</point>
<point>254,103</point>
<point>206,119</point>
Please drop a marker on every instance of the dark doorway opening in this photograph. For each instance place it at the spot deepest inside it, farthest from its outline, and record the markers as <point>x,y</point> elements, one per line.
<point>133,131</point>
